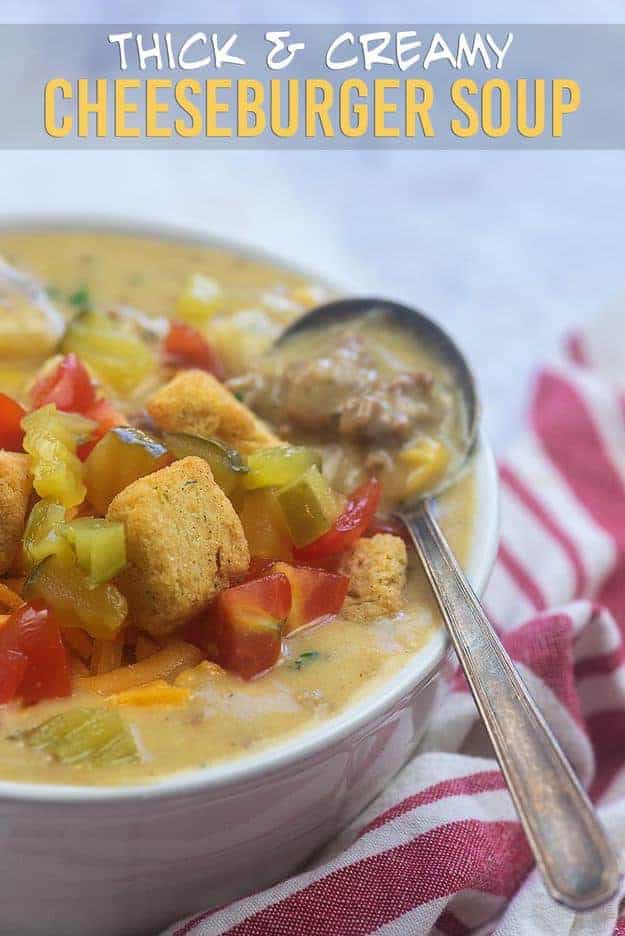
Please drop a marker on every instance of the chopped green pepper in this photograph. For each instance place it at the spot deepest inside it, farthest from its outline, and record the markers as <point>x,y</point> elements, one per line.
<point>264,526</point>
<point>43,535</point>
<point>119,357</point>
<point>97,737</point>
<point>67,591</point>
<point>279,465</point>
<point>309,505</point>
<point>228,465</point>
<point>51,438</point>
<point>100,547</point>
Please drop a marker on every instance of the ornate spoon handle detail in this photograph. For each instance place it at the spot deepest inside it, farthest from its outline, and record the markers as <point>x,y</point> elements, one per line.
<point>569,844</point>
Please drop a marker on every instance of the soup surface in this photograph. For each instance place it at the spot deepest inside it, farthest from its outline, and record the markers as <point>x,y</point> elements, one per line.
<point>109,299</point>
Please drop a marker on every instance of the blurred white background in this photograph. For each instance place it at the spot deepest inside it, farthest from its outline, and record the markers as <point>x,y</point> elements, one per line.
<point>509,250</point>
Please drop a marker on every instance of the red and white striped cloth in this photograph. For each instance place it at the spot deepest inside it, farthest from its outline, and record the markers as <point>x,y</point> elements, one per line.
<point>442,851</point>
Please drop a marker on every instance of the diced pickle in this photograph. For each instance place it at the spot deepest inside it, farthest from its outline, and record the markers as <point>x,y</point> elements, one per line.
<point>117,355</point>
<point>69,428</point>
<point>199,300</point>
<point>66,590</point>
<point>95,737</point>
<point>427,460</point>
<point>122,456</point>
<point>264,525</point>
<point>309,506</point>
<point>51,439</point>
<point>100,547</point>
<point>43,536</point>
<point>227,465</point>
<point>280,465</point>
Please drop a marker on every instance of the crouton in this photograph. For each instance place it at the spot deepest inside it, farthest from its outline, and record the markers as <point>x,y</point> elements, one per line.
<point>377,576</point>
<point>15,489</point>
<point>197,403</point>
<point>184,543</point>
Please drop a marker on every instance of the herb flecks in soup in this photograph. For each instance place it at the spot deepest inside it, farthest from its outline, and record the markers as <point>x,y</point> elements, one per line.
<point>194,558</point>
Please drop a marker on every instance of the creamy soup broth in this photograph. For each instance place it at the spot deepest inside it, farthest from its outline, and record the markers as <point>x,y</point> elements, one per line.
<point>325,668</point>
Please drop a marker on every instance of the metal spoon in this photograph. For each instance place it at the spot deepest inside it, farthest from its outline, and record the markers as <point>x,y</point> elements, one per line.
<point>571,849</point>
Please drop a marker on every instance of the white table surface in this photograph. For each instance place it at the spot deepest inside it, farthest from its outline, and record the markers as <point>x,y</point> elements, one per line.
<point>509,250</point>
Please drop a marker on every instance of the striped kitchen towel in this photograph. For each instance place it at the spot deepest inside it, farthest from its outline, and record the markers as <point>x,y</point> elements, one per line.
<point>441,850</point>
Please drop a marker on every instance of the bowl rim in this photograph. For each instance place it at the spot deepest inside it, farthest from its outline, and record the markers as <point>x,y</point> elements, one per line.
<point>222,779</point>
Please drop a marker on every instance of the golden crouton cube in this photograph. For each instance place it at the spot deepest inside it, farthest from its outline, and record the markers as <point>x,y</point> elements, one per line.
<point>184,543</point>
<point>376,568</point>
<point>197,403</point>
<point>15,489</point>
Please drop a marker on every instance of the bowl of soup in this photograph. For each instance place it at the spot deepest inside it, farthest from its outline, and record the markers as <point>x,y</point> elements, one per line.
<point>216,644</point>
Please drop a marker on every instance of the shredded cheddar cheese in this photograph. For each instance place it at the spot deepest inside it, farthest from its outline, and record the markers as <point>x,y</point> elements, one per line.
<point>158,692</point>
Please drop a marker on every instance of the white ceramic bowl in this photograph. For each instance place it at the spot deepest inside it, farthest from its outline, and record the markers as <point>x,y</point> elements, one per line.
<point>129,860</point>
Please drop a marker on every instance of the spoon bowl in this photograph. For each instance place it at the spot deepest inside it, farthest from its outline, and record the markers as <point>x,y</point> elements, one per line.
<point>423,331</point>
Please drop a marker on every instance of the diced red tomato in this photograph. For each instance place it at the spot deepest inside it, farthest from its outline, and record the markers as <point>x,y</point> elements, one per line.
<point>68,386</point>
<point>32,632</point>
<point>12,668</point>
<point>315,595</point>
<point>389,525</point>
<point>186,347</point>
<point>11,414</point>
<point>349,527</point>
<point>250,618</point>
<point>107,417</point>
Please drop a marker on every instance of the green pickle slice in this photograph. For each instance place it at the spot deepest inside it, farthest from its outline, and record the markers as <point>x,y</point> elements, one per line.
<point>309,505</point>
<point>279,465</point>
<point>43,535</point>
<point>121,359</point>
<point>122,456</point>
<point>100,547</point>
<point>51,438</point>
<point>95,737</point>
<point>228,465</point>
<point>67,591</point>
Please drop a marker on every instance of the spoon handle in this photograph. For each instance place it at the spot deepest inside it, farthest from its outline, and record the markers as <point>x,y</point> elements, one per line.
<point>569,844</point>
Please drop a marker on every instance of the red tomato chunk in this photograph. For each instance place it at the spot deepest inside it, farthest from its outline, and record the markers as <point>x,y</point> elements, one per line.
<point>107,417</point>
<point>316,596</point>
<point>187,347</point>
<point>12,668</point>
<point>32,633</point>
<point>250,618</point>
<point>68,386</point>
<point>349,527</point>
<point>11,414</point>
